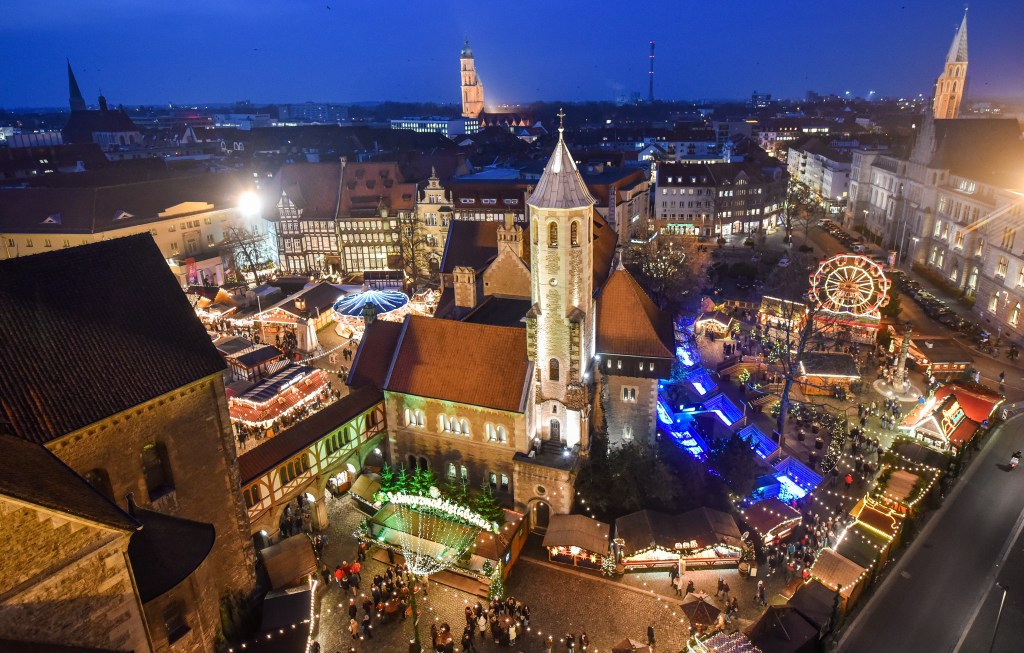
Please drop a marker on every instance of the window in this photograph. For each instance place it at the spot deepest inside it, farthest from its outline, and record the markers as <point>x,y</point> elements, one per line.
<point>958,240</point>
<point>174,621</point>
<point>628,393</point>
<point>28,242</point>
<point>1009,235</point>
<point>10,242</point>
<point>251,496</point>
<point>156,471</point>
<point>552,234</point>
<point>1015,316</point>
<point>553,369</point>
<point>504,483</point>
<point>495,433</point>
<point>501,435</point>
<point>492,480</point>
<point>574,234</point>
<point>993,303</point>
<point>1001,266</point>
<point>465,427</point>
<point>451,470</point>
<point>627,432</point>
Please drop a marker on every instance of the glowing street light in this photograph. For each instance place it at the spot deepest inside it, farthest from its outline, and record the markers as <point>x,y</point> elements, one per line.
<point>249,204</point>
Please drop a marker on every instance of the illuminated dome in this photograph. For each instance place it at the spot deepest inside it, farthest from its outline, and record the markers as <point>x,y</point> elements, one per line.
<point>384,301</point>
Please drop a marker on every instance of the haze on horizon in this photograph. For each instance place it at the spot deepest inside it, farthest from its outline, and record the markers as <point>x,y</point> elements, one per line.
<point>214,51</point>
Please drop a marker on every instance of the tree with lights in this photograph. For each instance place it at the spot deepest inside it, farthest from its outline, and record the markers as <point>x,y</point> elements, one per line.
<point>496,590</point>
<point>670,268</point>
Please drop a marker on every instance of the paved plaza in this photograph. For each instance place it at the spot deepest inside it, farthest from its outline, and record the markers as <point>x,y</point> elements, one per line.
<point>562,600</point>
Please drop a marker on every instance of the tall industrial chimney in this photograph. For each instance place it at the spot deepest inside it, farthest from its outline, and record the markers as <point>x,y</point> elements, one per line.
<point>650,89</point>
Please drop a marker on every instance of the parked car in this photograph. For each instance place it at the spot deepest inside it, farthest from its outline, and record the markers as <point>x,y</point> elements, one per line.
<point>784,261</point>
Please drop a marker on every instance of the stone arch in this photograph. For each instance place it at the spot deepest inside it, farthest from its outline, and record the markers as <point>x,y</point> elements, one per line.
<point>539,511</point>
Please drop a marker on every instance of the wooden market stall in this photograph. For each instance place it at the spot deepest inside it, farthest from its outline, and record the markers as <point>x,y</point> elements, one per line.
<point>577,540</point>
<point>701,538</point>
<point>825,373</point>
<point>837,572</point>
<point>771,519</point>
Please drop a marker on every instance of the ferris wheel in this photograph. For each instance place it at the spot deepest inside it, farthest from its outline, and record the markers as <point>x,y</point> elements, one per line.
<point>850,283</point>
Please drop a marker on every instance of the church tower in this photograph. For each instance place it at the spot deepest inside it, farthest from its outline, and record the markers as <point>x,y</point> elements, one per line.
<point>560,324</point>
<point>472,88</point>
<point>74,93</point>
<point>949,88</point>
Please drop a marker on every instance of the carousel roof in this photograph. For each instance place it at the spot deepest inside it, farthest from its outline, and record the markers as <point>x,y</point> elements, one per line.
<point>384,301</point>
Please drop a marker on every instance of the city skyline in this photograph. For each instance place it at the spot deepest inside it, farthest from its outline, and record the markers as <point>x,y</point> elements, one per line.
<point>347,54</point>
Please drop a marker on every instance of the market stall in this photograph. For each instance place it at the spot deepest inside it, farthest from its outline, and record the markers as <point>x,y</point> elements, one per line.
<point>837,572</point>
<point>815,603</point>
<point>827,373</point>
<point>699,538</point>
<point>771,519</point>
<point>941,423</point>
<point>715,322</point>
<point>280,395</point>
<point>577,540</point>
<point>781,629</point>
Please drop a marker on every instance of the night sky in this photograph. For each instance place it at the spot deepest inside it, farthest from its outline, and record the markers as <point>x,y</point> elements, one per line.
<point>192,51</point>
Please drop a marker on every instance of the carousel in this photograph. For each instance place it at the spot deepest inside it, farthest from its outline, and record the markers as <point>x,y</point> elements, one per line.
<point>351,311</point>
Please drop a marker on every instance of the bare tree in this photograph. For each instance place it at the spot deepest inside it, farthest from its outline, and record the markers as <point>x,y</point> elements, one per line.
<point>671,268</point>
<point>415,247</point>
<point>247,248</point>
<point>796,202</point>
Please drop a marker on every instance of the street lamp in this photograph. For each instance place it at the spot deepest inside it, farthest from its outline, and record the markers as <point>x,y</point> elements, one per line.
<point>999,615</point>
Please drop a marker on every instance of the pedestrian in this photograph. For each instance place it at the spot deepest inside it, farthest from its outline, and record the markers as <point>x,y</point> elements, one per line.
<point>721,583</point>
<point>353,609</point>
<point>512,634</point>
<point>356,568</point>
<point>549,644</point>
<point>481,624</point>
<point>361,552</point>
<point>353,628</point>
<point>689,589</point>
<point>650,634</point>
<point>725,590</point>
<point>367,627</point>
<point>848,480</point>
<point>584,641</point>
<point>677,585</point>
<point>467,640</point>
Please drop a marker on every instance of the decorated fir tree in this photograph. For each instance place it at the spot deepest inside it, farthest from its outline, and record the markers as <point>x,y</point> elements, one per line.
<point>487,506</point>
<point>496,592</point>
<point>608,565</point>
<point>387,478</point>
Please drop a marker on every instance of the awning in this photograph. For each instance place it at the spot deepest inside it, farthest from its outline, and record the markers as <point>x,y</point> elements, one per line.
<point>289,561</point>
<point>365,487</point>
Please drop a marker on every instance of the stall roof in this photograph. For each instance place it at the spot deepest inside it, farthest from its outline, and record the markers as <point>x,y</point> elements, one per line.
<point>815,603</point>
<point>861,545</point>
<point>829,364</point>
<point>256,355</point>
<point>877,516</point>
<point>781,629</point>
<point>976,400</point>
<point>289,560</point>
<point>365,487</point>
<point>578,530</point>
<point>764,516</point>
<point>833,570</point>
<point>942,351</point>
<point>647,528</point>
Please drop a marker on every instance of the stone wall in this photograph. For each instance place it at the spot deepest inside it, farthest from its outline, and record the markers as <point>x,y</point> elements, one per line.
<point>440,448</point>
<point>192,424</point>
<point>507,275</point>
<point>638,414</point>
<point>65,581</point>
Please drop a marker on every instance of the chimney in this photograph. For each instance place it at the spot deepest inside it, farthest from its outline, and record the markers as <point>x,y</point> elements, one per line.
<point>103,103</point>
<point>465,287</point>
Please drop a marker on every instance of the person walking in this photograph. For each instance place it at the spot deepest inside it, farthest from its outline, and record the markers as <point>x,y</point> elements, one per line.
<point>356,568</point>
<point>353,628</point>
<point>725,591</point>
<point>650,634</point>
<point>677,585</point>
<point>721,583</point>
<point>690,589</point>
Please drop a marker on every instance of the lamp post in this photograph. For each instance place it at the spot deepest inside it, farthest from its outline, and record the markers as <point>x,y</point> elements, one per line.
<point>999,615</point>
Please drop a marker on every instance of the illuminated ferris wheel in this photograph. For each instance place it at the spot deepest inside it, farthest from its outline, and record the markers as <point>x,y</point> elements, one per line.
<point>852,284</point>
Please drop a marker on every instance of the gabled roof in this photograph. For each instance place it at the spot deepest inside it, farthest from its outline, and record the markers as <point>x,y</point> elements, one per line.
<point>469,244</point>
<point>373,358</point>
<point>628,322</point>
<point>312,187</point>
<point>977,401</point>
<point>30,473</point>
<point>578,530</point>
<point>475,364</point>
<point>704,526</point>
<point>560,186</point>
<point>254,462</point>
<point>91,331</point>
<point>82,125</point>
<point>958,49</point>
<point>365,186</point>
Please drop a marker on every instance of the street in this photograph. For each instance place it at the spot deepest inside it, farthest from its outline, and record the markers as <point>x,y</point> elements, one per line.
<point>941,596</point>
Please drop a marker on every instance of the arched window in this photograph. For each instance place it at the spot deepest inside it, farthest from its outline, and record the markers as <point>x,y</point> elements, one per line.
<point>553,370</point>
<point>465,427</point>
<point>451,471</point>
<point>501,434</point>
<point>490,432</point>
<point>408,417</point>
<point>420,418</point>
<point>1015,317</point>
<point>423,464</point>
<point>453,425</point>
<point>412,462</point>
<point>552,234</point>
<point>574,234</point>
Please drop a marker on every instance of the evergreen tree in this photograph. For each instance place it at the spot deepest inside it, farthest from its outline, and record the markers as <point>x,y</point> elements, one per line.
<point>487,506</point>
<point>496,592</point>
<point>387,478</point>
<point>457,492</point>
<point>401,481</point>
<point>423,480</point>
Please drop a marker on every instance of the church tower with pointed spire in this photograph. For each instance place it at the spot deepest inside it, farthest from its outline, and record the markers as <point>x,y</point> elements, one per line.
<point>950,86</point>
<point>75,98</point>
<point>560,323</point>
<point>472,88</point>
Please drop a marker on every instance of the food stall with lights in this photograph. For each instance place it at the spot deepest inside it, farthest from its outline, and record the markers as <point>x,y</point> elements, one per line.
<point>825,373</point>
<point>577,540</point>
<point>699,538</point>
<point>716,323</point>
<point>836,572</point>
<point>771,519</point>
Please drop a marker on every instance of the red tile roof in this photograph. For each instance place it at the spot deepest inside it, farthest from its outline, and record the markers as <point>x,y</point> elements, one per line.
<point>628,322</point>
<point>474,364</point>
<point>365,185</point>
<point>91,331</point>
<point>376,350</point>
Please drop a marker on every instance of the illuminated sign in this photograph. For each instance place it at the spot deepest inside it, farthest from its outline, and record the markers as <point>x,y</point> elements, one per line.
<point>951,417</point>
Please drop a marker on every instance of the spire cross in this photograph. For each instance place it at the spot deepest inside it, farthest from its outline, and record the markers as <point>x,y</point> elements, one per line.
<point>561,119</point>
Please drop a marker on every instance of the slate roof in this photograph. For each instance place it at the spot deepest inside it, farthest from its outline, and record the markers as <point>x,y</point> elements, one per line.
<point>257,355</point>
<point>312,188</point>
<point>560,186</point>
<point>30,473</point>
<point>88,210</point>
<point>814,602</point>
<point>91,331</point>
<point>469,244</point>
<point>983,150</point>
<point>166,550</point>
<point>255,462</point>
<point>373,358</point>
<point>322,296</point>
<point>81,125</point>
<point>829,364</point>
<point>628,322</point>
<point>474,364</point>
<point>958,49</point>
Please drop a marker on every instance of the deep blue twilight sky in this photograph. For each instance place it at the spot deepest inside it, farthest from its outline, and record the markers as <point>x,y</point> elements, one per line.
<point>182,51</point>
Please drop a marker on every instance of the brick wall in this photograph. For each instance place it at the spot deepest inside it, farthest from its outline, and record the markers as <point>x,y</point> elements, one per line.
<point>192,423</point>
<point>66,582</point>
<point>638,414</point>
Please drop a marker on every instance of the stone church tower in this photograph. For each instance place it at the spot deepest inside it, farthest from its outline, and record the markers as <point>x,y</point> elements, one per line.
<point>472,88</point>
<point>560,324</point>
<point>949,88</point>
